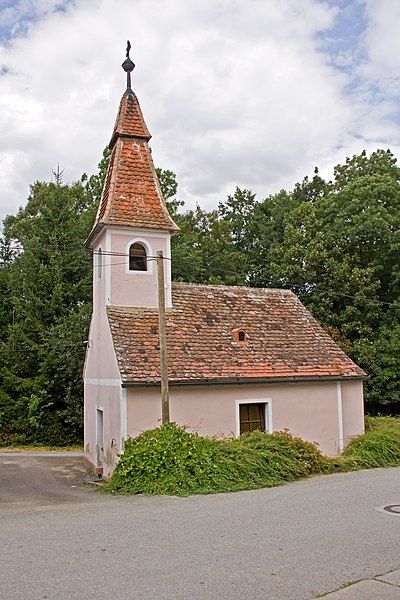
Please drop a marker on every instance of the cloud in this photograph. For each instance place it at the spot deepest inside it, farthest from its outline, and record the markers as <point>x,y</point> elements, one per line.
<point>16,15</point>
<point>235,93</point>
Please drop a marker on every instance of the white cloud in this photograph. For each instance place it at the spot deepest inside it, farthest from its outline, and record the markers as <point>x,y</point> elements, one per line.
<point>234,92</point>
<point>382,44</point>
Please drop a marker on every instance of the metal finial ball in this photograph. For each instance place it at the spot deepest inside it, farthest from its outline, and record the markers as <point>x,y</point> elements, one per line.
<point>128,65</point>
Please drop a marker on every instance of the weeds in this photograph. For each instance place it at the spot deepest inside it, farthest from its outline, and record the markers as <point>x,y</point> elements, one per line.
<point>171,460</point>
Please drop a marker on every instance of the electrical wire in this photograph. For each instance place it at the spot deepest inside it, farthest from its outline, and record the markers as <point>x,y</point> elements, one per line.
<point>280,284</point>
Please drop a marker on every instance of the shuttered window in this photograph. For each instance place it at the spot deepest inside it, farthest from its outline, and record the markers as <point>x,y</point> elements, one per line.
<point>252,417</point>
<point>137,258</point>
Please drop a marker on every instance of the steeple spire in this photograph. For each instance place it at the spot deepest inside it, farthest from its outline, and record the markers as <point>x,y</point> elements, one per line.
<point>128,65</point>
<point>132,195</point>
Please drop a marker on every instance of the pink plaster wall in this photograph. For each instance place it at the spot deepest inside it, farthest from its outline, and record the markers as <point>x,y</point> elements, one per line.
<point>137,288</point>
<point>308,410</point>
<point>119,286</point>
<point>107,398</point>
<point>102,387</point>
<point>99,283</point>
<point>353,409</point>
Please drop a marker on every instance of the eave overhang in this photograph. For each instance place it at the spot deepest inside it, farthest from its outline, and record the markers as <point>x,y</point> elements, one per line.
<point>243,380</point>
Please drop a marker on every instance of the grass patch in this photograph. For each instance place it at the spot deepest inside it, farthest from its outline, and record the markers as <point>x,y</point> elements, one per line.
<point>38,448</point>
<point>382,423</point>
<point>170,460</point>
<point>379,447</point>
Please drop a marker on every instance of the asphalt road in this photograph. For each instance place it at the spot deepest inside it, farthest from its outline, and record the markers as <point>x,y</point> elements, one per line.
<point>294,542</point>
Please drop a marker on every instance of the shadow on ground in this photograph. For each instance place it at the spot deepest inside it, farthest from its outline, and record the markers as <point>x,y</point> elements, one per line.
<point>43,479</point>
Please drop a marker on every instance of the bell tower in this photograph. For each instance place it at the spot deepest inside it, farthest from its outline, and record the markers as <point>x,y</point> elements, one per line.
<point>132,222</point>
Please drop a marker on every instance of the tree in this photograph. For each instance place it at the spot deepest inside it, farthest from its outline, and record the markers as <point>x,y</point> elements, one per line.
<point>336,244</point>
<point>203,250</point>
<point>169,188</point>
<point>238,210</point>
<point>50,282</point>
<point>94,184</point>
<point>49,285</point>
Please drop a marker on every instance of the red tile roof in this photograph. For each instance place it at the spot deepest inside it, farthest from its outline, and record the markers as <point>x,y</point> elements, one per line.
<point>132,195</point>
<point>283,339</point>
<point>130,121</point>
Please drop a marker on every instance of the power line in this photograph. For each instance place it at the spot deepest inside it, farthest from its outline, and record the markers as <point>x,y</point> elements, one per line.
<point>280,284</point>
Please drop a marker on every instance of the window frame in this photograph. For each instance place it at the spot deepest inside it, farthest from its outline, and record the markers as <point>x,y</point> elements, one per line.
<point>235,336</point>
<point>267,415</point>
<point>99,416</point>
<point>99,263</point>
<point>138,257</point>
<point>149,252</point>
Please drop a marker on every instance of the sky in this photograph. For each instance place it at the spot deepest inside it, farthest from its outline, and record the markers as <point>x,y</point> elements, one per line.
<point>248,93</point>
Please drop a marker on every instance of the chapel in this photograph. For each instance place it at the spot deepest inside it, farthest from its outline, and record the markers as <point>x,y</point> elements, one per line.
<point>239,358</point>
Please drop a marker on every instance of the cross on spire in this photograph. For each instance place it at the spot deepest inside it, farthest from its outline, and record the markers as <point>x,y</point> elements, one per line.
<point>128,65</point>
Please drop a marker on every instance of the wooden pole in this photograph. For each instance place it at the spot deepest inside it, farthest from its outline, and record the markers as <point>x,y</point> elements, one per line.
<point>163,339</point>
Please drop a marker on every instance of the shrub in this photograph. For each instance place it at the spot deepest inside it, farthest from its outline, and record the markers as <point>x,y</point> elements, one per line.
<point>170,460</point>
<point>379,447</point>
<point>379,423</point>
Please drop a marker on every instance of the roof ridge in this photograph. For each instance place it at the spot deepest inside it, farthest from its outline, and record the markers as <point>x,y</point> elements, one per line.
<point>131,309</point>
<point>219,286</point>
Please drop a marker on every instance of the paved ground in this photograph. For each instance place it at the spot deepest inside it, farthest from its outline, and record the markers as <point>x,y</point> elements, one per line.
<point>295,542</point>
<point>385,587</point>
<point>29,480</point>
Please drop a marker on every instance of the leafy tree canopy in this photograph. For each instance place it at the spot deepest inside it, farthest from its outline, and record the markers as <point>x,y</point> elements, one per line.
<point>334,243</point>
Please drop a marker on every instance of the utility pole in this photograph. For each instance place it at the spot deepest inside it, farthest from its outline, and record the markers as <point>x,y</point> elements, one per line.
<point>163,339</point>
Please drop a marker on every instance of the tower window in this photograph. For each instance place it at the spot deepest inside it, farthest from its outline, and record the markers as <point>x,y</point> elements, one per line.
<point>137,257</point>
<point>99,263</point>
<point>241,336</point>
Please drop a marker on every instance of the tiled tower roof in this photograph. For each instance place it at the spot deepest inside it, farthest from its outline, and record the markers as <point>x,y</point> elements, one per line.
<point>130,121</point>
<point>132,195</point>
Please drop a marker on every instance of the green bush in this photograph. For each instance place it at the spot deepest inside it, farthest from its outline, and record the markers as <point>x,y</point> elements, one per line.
<point>170,460</point>
<point>379,447</point>
<point>379,423</point>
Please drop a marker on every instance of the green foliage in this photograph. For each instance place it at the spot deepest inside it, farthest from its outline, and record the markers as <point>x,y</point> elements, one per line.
<point>237,210</point>
<point>47,283</point>
<point>168,183</point>
<point>379,447</point>
<point>336,244</point>
<point>170,460</point>
<point>94,184</point>
<point>204,251</point>
<point>379,423</point>
<point>169,188</point>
